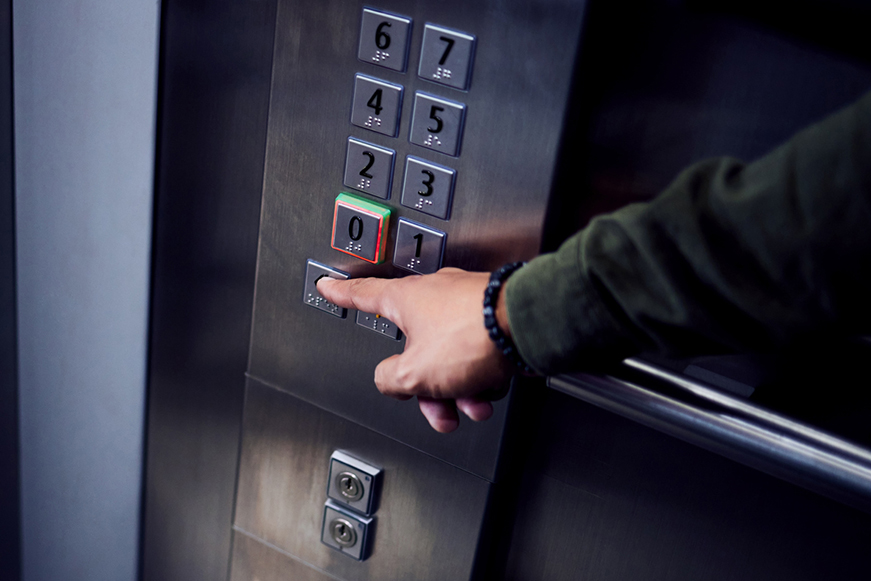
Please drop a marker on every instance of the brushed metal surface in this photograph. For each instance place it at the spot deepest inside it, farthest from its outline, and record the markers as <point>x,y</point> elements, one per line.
<point>254,560</point>
<point>607,498</point>
<point>515,111</point>
<point>428,519</point>
<point>214,90</point>
<point>10,515</point>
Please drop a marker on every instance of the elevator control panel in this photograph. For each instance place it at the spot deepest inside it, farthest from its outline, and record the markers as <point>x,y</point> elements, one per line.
<point>346,531</point>
<point>362,226</point>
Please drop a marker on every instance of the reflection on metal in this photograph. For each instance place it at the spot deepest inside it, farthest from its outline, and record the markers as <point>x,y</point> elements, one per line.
<point>730,426</point>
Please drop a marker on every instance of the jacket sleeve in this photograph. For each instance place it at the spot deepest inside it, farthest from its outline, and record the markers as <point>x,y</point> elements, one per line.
<point>731,256</point>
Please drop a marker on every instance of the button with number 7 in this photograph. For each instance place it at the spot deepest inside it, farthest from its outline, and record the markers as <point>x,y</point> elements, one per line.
<point>419,248</point>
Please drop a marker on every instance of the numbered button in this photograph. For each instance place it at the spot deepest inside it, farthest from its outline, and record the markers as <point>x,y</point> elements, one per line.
<point>360,228</point>
<point>446,56</point>
<point>437,124</point>
<point>377,105</point>
<point>384,39</point>
<point>369,168</point>
<point>419,248</point>
<point>428,187</point>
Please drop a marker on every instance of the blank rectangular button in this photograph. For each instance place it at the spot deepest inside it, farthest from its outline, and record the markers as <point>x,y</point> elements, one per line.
<point>314,271</point>
<point>428,187</point>
<point>384,39</point>
<point>437,124</point>
<point>419,248</point>
<point>446,56</point>
<point>369,168</point>
<point>376,105</point>
<point>379,324</point>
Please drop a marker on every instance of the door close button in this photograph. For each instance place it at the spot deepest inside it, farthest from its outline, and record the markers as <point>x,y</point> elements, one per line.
<point>314,271</point>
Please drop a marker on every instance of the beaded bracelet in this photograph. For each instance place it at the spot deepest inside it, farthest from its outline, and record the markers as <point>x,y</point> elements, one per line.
<point>491,294</point>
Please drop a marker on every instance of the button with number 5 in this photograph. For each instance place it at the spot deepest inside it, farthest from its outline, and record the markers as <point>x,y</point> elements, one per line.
<point>377,105</point>
<point>437,124</point>
<point>428,187</point>
<point>384,39</point>
<point>419,248</point>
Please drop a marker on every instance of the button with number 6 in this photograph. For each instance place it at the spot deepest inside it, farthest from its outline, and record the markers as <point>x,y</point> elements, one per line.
<point>384,39</point>
<point>419,248</point>
<point>428,187</point>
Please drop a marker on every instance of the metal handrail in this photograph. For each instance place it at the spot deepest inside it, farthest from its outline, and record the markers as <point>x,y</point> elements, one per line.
<point>735,428</point>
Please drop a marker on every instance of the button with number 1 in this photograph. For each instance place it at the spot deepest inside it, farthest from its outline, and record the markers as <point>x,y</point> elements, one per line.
<point>419,248</point>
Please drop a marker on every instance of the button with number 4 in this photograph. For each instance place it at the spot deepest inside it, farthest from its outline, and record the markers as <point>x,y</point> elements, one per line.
<point>384,39</point>
<point>377,105</point>
<point>437,124</point>
<point>446,56</point>
<point>419,248</point>
<point>369,168</point>
<point>428,187</point>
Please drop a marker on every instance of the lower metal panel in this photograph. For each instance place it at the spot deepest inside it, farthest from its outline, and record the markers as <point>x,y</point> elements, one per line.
<point>606,498</point>
<point>430,512</point>
<point>254,560</point>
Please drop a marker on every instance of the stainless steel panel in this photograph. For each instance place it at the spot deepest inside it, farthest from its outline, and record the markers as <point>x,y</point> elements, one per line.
<point>214,92</point>
<point>515,113</point>
<point>606,498</point>
<point>254,560</point>
<point>428,519</point>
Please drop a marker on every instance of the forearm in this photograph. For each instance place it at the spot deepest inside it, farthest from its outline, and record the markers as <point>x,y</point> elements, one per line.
<point>730,256</point>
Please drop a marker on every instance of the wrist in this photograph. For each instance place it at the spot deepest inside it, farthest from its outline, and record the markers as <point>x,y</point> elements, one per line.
<point>498,327</point>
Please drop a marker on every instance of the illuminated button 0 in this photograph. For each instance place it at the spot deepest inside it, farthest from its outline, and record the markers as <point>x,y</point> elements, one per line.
<point>360,228</point>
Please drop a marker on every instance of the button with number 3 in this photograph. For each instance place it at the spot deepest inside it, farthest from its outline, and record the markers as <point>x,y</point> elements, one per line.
<point>419,248</point>
<point>428,187</point>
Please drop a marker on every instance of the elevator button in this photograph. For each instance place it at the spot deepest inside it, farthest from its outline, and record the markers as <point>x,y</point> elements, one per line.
<point>314,271</point>
<point>384,39</point>
<point>353,483</point>
<point>419,248</point>
<point>376,105</point>
<point>379,324</point>
<point>360,228</point>
<point>346,531</point>
<point>446,56</point>
<point>428,187</point>
<point>437,124</point>
<point>369,168</point>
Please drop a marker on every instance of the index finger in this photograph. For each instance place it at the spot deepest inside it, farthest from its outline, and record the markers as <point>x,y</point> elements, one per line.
<point>363,294</point>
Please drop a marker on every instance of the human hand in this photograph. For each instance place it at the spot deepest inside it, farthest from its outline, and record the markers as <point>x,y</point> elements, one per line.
<point>449,362</point>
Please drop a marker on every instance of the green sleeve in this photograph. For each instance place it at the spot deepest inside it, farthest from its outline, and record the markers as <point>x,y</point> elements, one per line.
<point>731,256</point>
